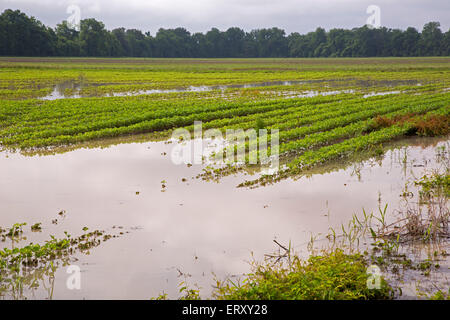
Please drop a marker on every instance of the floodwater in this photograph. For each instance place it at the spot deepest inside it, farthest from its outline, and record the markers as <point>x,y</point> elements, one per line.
<point>76,87</point>
<point>59,89</point>
<point>191,227</point>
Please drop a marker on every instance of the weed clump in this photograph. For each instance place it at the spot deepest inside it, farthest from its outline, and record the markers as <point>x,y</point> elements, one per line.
<point>436,185</point>
<point>329,276</point>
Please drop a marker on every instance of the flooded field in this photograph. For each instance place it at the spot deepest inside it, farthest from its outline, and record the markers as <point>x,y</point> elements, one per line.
<point>72,89</point>
<point>88,160</point>
<point>190,228</point>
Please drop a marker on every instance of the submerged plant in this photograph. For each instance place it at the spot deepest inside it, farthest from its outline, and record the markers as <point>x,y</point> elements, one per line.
<point>24,269</point>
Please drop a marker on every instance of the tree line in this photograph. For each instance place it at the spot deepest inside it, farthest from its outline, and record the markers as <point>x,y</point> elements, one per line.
<point>21,35</point>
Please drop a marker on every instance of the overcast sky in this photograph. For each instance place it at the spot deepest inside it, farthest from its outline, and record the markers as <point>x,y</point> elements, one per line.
<point>201,15</point>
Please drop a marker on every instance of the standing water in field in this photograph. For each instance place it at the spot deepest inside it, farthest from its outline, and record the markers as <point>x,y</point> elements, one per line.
<point>74,89</point>
<point>174,227</point>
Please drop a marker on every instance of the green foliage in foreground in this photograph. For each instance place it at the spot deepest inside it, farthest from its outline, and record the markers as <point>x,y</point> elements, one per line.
<point>440,295</point>
<point>331,276</point>
<point>28,268</point>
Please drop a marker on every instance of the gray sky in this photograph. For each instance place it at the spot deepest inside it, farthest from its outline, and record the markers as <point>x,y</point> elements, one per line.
<point>201,15</point>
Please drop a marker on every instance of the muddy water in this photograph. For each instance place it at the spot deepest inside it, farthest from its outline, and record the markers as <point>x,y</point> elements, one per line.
<point>192,227</point>
<point>59,89</point>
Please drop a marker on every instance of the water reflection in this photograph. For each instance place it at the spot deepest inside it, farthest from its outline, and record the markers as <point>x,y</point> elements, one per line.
<point>74,89</point>
<point>195,227</point>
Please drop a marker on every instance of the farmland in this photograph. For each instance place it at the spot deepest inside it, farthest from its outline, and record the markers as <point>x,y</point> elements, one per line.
<point>91,136</point>
<point>329,102</point>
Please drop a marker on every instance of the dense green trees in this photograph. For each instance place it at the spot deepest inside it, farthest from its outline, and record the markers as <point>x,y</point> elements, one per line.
<point>67,40</point>
<point>431,40</point>
<point>21,35</point>
<point>24,36</point>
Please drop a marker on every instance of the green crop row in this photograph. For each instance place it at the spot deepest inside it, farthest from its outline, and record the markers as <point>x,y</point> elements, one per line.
<point>324,122</point>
